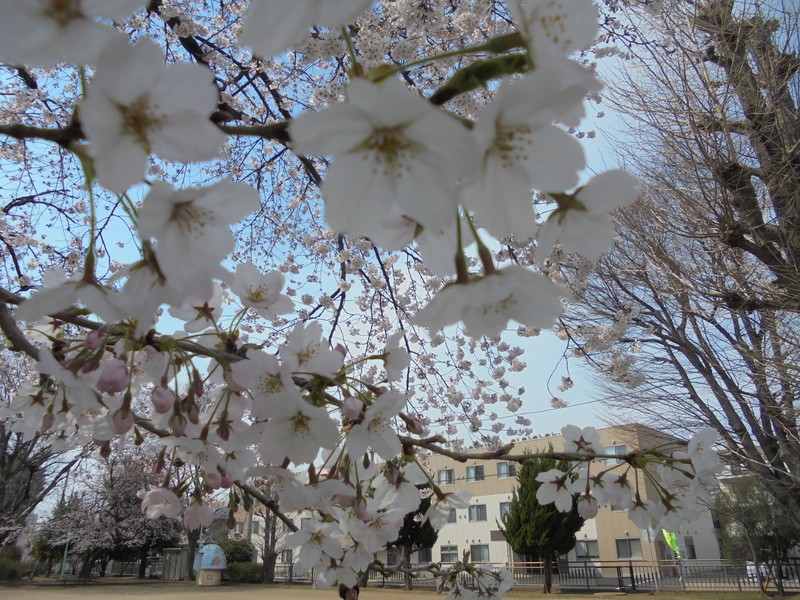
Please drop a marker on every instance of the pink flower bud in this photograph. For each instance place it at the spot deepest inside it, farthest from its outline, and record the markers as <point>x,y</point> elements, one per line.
<point>213,480</point>
<point>163,399</point>
<point>227,480</point>
<point>121,421</point>
<point>340,348</point>
<point>352,408</point>
<point>197,383</point>
<point>178,425</point>
<point>47,421</point>
<point>193,414</point>
<point>113,376</point>
<point>415,426</point>
<point>95,340</point>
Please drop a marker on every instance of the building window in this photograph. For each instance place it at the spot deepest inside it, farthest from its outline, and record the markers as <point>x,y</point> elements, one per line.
<point>477,512</point>
<point>255,525</point>
<point>286,556</point>
<point>479,553</point>
<point>451,516</point>
<point>424,556</point>
<point>504,508</point>
<point>446,477</point>
<point>449,554</point>
<point>475,473</point>
<point>393,556</point>
<point>629,549</point>
<point>618,450</point>
<point>587,549</point>
<point>688,541</point>
<point>506,469</point>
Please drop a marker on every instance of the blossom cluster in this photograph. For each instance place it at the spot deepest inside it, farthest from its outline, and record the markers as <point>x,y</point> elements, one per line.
<point>432,176</point>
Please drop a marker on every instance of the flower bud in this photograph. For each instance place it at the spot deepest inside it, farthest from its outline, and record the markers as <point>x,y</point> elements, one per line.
<point>163,399</point>
<point>121,421</point>
<point>95,340</point>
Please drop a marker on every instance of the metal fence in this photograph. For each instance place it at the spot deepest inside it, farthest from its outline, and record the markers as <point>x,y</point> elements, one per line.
<point>633,575</point>
<point>627,575</point>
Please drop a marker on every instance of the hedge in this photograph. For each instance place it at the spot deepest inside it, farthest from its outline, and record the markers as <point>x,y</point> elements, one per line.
<point>244,572</point>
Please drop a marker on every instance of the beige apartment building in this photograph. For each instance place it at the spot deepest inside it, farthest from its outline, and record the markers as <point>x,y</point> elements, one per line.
<point>610,536</point>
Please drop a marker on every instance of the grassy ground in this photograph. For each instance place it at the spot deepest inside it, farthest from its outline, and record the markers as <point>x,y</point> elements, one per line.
<point>131,589</point>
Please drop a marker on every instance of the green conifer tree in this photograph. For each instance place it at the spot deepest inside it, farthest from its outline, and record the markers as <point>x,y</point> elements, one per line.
<point>536,531</point>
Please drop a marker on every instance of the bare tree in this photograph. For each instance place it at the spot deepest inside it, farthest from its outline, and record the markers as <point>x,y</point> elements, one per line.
<point>696,307</point>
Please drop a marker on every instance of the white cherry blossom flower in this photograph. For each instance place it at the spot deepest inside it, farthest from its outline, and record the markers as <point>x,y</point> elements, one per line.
<point>581,441</point>
<point>485,305</point>
<point>316,540</point>
<point>41,33</point>
<point>705,459</point>
<point>522,149</point>
<point>556,488</point>
<point>439,509</point>
<point>191,225</point>
<point>266,378</point>
<point>135,105</point>
<point>588,229</point>
<point>376,430</point>
<point>396,359</point>
<point>56,293</point>
<point>272,26</point>
<point>555,28</point>
<point>199,514</point>
<point>161,501</point>
<point>261,291</point>
<point>397,159</point>
<point>296,430</point>
<point>306,351</point>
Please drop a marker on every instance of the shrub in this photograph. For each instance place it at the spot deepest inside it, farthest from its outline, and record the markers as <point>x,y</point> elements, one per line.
<point>244,572</point>
<point>237,551</point>
<point>10,565</point>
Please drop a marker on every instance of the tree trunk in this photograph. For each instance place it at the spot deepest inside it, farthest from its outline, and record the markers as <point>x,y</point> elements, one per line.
<point>143,562</point>
<point>407,563</point>
<point>192,537</point>
<point>88,563</point>
<point>548,576</point>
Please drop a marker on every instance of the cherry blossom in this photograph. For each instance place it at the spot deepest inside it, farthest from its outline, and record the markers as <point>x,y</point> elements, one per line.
<point>556,488</point>
<point>376,430</point>
<point>441,504</point>
<point>45,32</point>
<point>555,28</point>
<point>486,304</point>
<point>397,162</point>
<point>581,441</point>
<point>705,459</point>
<point>269,36</point>
<point>315,541</point>
<point>161,502</point>
<point>522,149</point>
<point>191,225</point>
<point>261,291</point>
<point>296,430</point>
<point>307,352</point>
<point>136,105</point>
<point>585,226</point>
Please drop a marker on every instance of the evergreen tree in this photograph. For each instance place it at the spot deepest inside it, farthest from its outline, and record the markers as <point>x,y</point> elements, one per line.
<point>535,530</point>
<point>416,534</point>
